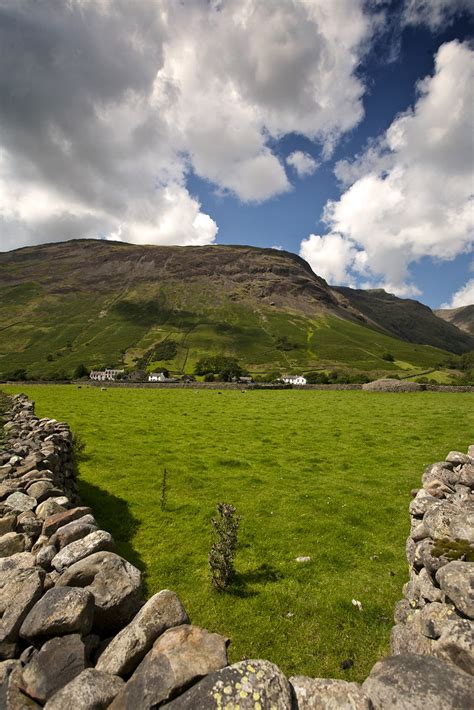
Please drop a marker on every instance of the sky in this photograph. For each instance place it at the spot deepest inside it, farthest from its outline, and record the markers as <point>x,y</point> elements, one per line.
<point>341,130</point>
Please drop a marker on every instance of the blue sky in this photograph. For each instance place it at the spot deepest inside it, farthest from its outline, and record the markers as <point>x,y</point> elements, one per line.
<point>297,124</point>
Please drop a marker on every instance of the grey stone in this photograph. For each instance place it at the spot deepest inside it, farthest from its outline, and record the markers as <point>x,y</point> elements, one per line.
<point>60,611</point>
<point>90,690</point>
<point>245,685</point>
<point>456,579</point>
<point>328,694</point>
<point>48,508</point>
<point>54,522</point>
<point>426,589</point>
<point>73,531</point>
<point>57,662</point>
<point>456,645</point>
<point>421,503</point>
<point>115,584</point>
<point>440,471</point>
<point>97,541</point>
<point>401,612</point>
<point>466,475</point>
<point>445,519</point>
<point>432,562</point>
<point>13,542</point>
<point>45,556</point>
<point>41,490</point>
<point>18,593</point>
<point>10,565</point>
<point>163,611</point>
<point>7,519</point>
<point>419,532</point>
<point>434,618</point>
<point>405,639</point>
<point>20,501</point>
<point>11,697</point>
<point>457,457</point>
<point>29,524</point>
<point>411,682</point>
<point>178,657</point>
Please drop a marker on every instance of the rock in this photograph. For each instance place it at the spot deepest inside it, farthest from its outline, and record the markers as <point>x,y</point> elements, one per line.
<point>90,690</point>
<point>41,490</point>
<point>425,588</point>
<point>392,385</point>
<point>18,593</point>
<point>54,522</point>
<point>163,611</point>
<point>11,697</point>
<point>419,532</point>
<point>13,542</point>
<point>466,475</point>
<point>432,562</point>
<point>20,501</point>
<point>457,457</point>
<point>402,610</point>
<point>328,694</point>
<point>434,618</point>
<point>178,657</point>
<point>115,584</point>
<point>421,503</point>
<point>48,508</point>
<point>441,472</point>
<point>456,645</point>
<point>303,558</point>
<point>97,541</point>
<point>29,524</point>
<point>10,565</point>
<point>456,579</point>
<point>245,685</point>
<point>405,639</point>
<point>410,682</point>
<point>45,556</point>
<point>445,519</point>
<point>57,662</point>
<point>73,531</point>
<point>60,611</point>
<point>7,522</point>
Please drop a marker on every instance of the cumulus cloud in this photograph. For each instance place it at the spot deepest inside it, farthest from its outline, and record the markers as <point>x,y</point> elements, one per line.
<point>411,192</point>
<point>303,163</point>
<point>106,106</point>
<point>463,297</point>
<point>434,13</point>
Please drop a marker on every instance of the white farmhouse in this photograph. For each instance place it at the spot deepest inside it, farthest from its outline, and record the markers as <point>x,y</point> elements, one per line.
<point>107,375</point>
<point>294,380</point>
<point>158,377</point>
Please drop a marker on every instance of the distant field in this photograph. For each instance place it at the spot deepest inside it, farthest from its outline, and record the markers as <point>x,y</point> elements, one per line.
<point>324,474</point>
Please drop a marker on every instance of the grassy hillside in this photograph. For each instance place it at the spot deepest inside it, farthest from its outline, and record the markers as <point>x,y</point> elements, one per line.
<point>107,304</point>
<point>323,474</point>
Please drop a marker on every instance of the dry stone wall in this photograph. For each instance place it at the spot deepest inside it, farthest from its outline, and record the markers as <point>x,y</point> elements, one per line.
<point>76,632</point>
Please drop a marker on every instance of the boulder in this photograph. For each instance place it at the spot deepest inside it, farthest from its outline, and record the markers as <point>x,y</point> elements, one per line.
<point>73,531</point>
<point>457,457</point>
<point>48,508</point>
<point>411,682</point>
<point>57,662</point>
<point>29,524</point>
<point>45,556</point>
<point>178,657</point>
<point>54,522</point>
<point>434,618</point>
<point>163,611</point>
<point>392,385</point>
<point>18,593</point>
<point>421,503</point>
<point>456,579</point>
<point>90,690</point>
<point>13,542</point>
<point>445,519</point>
<point>466,475</point>
<point>245,685</point>
<point>60,611</point>
<point>7,519</point>
<point>11,697</point>
<point>328,694</point>
<point>97,541</point>
<point>456,645</point>
<point>10,565</point>
<point>404,638</point>
<point>20,501</point>
<point>41,490</point>
<point>115,584</point>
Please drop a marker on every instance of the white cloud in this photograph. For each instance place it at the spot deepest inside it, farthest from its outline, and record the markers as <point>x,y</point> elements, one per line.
<point>109,105</point>
<point>412,191</point>
<point>463,297</point>
<point>330,256</point>
<point>303,163</point>
<point>434,13</point>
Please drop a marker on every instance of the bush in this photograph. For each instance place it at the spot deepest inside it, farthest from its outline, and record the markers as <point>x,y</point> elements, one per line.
<point>209,377</point>
<point>222,552</point>
<point>81,371</point>
<point>388,357</point>
<point>216,364</point>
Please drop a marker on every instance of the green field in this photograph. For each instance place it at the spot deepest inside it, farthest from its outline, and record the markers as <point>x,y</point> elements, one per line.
<point>320,473</point>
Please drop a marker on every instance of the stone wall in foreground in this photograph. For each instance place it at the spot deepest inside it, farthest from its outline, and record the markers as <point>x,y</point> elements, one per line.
<point>75,631</point>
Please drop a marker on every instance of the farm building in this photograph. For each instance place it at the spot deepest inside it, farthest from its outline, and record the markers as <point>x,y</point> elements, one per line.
<point>160,377</point>
<point>107,375</point>
<point>294,380</point>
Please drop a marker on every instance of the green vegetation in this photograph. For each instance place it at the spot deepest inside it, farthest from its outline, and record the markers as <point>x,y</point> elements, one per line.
<point>453,549</point>
<point>312,473</point>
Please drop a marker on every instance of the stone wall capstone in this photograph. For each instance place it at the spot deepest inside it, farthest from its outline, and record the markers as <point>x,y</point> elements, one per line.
<point>76,632</point>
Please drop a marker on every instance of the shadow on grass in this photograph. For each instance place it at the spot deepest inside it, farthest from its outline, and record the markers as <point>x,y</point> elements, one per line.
<point>260,575</point>
<point>113,515</point>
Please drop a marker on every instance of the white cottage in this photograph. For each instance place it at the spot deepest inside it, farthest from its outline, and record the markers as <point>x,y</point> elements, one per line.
<point>107,375</point>
<point>295,380</point>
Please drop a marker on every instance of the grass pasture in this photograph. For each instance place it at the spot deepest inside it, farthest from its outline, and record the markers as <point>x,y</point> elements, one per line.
<point>320,473</point>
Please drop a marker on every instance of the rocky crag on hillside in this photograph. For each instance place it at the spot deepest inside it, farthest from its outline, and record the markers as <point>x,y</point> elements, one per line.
<point>75,630</point>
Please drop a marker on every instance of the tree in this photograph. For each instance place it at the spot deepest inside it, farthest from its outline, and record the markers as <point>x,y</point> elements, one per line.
<point>388,357</point>
<point>222,552</point>
<point>81,371</point>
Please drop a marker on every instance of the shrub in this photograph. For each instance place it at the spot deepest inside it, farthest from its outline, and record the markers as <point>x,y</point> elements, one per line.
<point>209,377</point>
<point>388,357</point>
<point>222,552</point>
<point>81,371</point>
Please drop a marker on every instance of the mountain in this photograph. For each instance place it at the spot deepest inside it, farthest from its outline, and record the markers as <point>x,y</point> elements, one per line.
<point>411,320</point>
<point>462,318</point>
<point>105,303</point>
